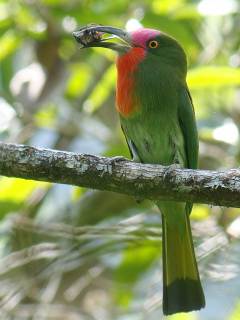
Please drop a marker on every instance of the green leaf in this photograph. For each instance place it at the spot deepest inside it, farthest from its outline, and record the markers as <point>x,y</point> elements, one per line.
<point>102,90</point>
<point>9,42</point>
<point>46,117</point>
<point>207,77</point>
<point>5,20</point>
<point>14,192</point>
<point>166,6</point>
<point>183,316</point>
<point>135,261</point>
<point>236,312</point>
<point>79,78</point>
<point>17,190</point>
<point>200,212</point>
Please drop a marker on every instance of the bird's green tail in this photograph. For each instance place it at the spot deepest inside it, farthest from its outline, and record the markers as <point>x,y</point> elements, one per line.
<point>182,290</point>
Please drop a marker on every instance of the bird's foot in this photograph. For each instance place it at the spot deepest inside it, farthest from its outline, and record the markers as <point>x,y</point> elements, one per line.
<point>174,166</point>
<point>119,159</point>
<point>170,168</point>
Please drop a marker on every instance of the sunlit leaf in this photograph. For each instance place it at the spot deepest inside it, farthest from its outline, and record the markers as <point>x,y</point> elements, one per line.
<point>235,314</point>
<point>200,212</point>
<point>135,261</point>
<point>26,18</point>
<point>46,117</point>
<point>8,44</point>
<point>207,77</point>
<point>102,90</point>
<point>18,190</point>
<point>79,78</point>
<point>183,316</point>
<point>67,49</point>
<point>53,2</point>
<point>4,15</point>
<point>77,192</point>
<point>165,6</point>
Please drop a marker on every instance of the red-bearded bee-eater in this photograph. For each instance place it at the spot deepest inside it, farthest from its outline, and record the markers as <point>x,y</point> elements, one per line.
<point>158,121</point>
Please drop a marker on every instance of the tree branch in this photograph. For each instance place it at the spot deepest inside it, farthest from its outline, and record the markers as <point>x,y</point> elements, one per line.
<point>147,181</point>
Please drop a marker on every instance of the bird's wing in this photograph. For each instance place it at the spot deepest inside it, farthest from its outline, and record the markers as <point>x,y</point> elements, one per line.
<point>188,126</point>
<point>129,148</point>
<point>132,148</point>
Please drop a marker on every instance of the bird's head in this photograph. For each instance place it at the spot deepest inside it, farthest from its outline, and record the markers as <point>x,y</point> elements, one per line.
<point>146,43</point>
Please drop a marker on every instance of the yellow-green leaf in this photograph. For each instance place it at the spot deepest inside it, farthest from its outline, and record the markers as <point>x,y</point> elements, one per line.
<point>183,316</point>
<point>236,312</point>
<point>8,44</point>
<point>17,190</point>
<point>211,76</point>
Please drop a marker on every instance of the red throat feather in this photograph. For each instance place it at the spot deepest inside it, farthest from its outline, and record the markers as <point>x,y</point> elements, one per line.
<point>127,64</point>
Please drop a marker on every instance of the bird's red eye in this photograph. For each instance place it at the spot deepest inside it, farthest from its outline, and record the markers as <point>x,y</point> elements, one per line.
<point>153,44</point>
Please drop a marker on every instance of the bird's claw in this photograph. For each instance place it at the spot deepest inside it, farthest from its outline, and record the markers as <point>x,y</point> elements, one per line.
<point>170,168</point>
<point>119,159</point>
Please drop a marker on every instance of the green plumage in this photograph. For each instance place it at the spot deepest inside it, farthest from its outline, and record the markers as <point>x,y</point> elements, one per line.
<point>158,121</point>
<point>163,131</point>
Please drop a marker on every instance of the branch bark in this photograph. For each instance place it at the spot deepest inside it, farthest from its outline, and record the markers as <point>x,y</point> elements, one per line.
<point>153,182</point>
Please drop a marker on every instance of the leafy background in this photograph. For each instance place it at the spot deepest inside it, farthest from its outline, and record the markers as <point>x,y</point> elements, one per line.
<point>72,253</point>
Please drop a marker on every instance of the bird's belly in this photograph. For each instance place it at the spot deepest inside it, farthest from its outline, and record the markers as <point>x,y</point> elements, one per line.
<point>155,141</point>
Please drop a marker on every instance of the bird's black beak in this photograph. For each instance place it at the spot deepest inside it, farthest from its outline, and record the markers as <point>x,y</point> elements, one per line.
<point>103,36</point>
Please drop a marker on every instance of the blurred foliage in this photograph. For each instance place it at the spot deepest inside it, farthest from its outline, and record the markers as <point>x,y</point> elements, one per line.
<point>71,253</point>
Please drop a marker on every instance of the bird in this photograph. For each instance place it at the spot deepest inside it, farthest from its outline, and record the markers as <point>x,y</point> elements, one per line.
<point>158,120</point>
